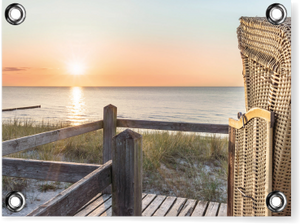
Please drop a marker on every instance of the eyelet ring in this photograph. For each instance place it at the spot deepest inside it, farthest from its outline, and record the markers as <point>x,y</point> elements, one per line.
<point>15,201</point>
<point>270,13</point>
<point>276,201</point>
<point>9,17</point>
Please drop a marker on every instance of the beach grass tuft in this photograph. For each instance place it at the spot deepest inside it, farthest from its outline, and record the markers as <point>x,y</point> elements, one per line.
<point>174,163</point>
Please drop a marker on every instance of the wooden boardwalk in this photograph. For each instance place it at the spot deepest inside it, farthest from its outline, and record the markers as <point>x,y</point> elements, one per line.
<point>157,205</point>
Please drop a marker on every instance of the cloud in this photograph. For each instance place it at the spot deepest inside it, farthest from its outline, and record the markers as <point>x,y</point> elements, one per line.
<point>18,69</point>
<point>13,69</point>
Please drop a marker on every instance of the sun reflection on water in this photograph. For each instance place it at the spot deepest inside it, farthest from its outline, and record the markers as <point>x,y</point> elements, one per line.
<point>76,109</point>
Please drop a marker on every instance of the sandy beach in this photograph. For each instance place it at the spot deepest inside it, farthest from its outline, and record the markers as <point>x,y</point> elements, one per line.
<point>34,198</point>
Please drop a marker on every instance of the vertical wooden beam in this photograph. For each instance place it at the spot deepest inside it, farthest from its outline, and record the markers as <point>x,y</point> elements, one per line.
<point>230,179</point>
<point>269,160</point>
<point>127,174</point>
<point>109,131</point>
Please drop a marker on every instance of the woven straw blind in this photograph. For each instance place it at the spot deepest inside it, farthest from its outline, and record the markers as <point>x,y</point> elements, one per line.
<point>252,179</point>
<point>266,56</point>
<point>250,169</point>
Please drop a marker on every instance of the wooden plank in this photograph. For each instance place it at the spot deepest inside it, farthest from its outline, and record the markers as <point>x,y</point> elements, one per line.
<point>173,126</point>
<point>93,205</point>
<point>230,179</point>
<point>222,210</point>
<point>20,144</point>
<point>178,205</point>
<point>188,208</point>
<point>165,207</point>
<point>200,208</point>
<point>92,200</point>
<point>147,200</point>
<point>101,209</point>
<point>68,202</point>
<point>108,212</point>
<point>46,170</point>
<point>109,131</point>
<point>21,108</point>
<point>150,210</point>
<point>212,209</point>
<point>254,112</point>
<point>127,174</point>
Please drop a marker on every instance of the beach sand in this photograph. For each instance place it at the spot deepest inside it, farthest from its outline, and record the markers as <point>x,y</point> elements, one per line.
<point>34,197</point>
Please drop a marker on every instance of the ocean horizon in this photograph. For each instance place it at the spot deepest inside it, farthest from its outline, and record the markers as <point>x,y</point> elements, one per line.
<point>78,105</point>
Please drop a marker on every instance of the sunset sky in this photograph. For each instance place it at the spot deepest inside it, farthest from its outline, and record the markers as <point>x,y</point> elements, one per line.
<point>126,42</point>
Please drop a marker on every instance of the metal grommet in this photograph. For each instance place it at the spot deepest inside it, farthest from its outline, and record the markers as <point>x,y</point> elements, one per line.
<point>276,201</point>
<point>15,201</point>
<point>15,14</point>
<point>276,13</point>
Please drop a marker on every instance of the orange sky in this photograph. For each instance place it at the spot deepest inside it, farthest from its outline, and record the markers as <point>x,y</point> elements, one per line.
<point>148,43</point>
<point>126,65</point>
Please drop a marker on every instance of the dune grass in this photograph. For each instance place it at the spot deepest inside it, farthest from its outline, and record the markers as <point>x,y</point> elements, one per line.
<point>174,163</point>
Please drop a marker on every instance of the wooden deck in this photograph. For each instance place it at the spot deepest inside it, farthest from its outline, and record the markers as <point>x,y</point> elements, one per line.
<point>157,205</point>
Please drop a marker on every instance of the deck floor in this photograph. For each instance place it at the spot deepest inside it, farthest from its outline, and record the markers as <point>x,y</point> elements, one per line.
<point>157,205</point>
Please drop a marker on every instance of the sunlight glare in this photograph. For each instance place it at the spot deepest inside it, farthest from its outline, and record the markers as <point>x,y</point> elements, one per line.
<point>76,68</point>
<point>77,106</point>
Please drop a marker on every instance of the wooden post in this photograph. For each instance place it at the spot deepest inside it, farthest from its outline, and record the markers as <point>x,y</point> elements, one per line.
<point>230,180</point>
<point>127,174</point>
<point>109,131</point>
<point>269,159</point>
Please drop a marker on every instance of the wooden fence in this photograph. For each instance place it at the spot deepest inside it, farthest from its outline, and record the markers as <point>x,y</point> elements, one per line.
<point>123,152</point>
<point>21,108</point>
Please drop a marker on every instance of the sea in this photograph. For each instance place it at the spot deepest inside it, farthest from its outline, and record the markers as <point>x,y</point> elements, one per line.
<point>78,105</point>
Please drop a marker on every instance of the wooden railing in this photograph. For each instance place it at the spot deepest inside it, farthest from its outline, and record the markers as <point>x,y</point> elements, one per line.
<point>90,178</point>
<point>20,144</point>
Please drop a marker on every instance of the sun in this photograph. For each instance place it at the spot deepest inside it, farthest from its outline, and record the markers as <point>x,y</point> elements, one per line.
<point>76,68</point>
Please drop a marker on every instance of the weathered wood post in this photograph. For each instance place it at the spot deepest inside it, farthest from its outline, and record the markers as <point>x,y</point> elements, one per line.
<point>127,174</point>
<point>109,131</point>
<point>230,178</point>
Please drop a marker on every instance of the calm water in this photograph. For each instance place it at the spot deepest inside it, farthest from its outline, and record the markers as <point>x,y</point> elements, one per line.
<point>83,104</point>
